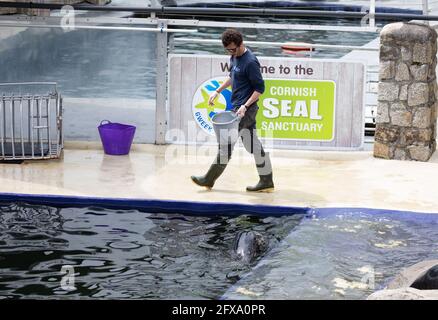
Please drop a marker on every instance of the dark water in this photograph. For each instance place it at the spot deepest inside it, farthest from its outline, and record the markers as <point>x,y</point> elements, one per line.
<point>128,254</point>
<point>123,254</point>
<point>314,36</point>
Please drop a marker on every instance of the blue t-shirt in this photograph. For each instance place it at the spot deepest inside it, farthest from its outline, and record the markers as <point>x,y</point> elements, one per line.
<point>245,78</point>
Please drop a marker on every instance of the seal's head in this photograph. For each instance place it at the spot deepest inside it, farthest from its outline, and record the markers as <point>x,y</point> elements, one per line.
<point>248,245</point>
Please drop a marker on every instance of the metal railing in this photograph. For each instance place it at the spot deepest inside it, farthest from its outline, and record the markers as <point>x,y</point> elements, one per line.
<point>304,45</point>
<point>30,121</point>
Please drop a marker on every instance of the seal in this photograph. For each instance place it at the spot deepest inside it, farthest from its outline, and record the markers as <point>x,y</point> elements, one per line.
<point>249,245</point>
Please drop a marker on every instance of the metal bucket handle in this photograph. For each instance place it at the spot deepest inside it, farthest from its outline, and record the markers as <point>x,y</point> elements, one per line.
<point>101,123</point>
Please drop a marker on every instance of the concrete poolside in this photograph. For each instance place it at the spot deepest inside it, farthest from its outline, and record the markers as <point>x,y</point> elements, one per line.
<point>302,178</point>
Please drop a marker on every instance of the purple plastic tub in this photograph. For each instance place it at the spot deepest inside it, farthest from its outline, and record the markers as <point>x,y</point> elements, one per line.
<point>116,137</point>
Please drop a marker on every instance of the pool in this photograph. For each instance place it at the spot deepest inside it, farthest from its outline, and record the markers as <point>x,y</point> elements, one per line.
<point>131,254</point>
<point>121,254</point>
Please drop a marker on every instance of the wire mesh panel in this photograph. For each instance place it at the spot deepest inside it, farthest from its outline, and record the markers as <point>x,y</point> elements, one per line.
<point>30,121</point>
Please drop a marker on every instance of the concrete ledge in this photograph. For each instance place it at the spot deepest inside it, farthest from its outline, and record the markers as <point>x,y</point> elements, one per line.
<point>303,179</point>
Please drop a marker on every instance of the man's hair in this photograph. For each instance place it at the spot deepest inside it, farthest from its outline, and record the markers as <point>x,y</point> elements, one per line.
<point>231,36</point>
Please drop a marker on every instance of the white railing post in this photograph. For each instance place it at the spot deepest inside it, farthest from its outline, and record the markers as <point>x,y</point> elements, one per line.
<point>372,13</point>
<point>426,9</point>
<point>161,83</point>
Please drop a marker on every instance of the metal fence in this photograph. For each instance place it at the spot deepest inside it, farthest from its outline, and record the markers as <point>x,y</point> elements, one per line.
<point>30,121</point>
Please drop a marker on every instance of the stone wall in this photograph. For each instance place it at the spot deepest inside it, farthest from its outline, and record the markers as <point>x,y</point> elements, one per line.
<point>406,112</point>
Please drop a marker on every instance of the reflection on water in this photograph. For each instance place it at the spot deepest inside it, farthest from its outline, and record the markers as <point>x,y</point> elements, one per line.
<point>122,254</point>
<point>84,63</point>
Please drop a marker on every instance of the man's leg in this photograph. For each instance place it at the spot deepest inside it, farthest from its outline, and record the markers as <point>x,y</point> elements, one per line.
<point>253,145</point>
<point>217,167</point>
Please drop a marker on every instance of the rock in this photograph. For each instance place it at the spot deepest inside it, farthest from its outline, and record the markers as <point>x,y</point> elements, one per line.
<point>386,134</point>
<point>402,73</point>
<point>400,154</point>
<point>382,113</point>
<point>404,294</point>
<point>422,53</point>
<point>422,118</point>
<point>403,93</point>
<point>381,150</point>
<point>388,91</point>
<point>400,288</point>
<point>407,276</point>
<point>431,75</point>
<point>420,153</point>
<point>418,93</point>
<point>401,118</point>
<point>406,54</point>
<point>408,32</point>
<point>387,70</point>
<point>411,136</point>
<point>420,72</point>
<point>408,92</point>
<point>389,52</point>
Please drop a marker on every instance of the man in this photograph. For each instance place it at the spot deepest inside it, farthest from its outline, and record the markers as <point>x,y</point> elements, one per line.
<point>247,86</point>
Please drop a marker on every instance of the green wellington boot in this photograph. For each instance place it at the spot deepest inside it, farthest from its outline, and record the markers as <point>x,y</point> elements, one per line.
<point>265,184</point>
<point>210,177</point>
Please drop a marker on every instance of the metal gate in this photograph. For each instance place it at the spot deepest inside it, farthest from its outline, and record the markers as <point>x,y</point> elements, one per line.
<point>30,121</point>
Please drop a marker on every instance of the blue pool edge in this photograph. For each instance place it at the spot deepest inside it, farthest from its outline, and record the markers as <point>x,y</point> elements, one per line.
<point>154,205</point>
<point>199,208</point>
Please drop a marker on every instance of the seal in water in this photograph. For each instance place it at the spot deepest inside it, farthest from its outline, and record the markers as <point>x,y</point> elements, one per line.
<point>248,245</point>
<point>428,281</point>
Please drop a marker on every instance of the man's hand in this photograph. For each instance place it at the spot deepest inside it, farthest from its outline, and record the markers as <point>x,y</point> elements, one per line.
<point>241,111</point>
<point>212,97</point>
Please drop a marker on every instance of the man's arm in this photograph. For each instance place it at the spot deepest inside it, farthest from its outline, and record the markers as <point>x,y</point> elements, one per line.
<point>256,79</point>
<point>253,98</point>
<point>224,85</point>
<point>214,95</point>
